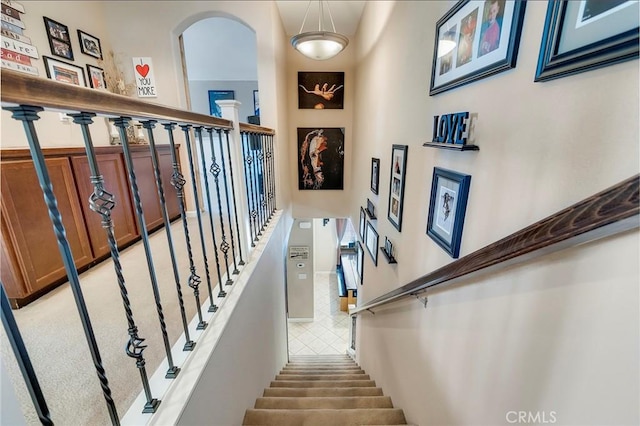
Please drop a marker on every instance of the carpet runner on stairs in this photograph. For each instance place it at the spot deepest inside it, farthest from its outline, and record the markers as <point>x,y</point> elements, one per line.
<point>323,390</point>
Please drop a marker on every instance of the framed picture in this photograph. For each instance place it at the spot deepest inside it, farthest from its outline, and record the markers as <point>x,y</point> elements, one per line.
<point>320,158</point>
<point>64,72</point>
<point>449,193</point>
<point>320,90</point>
<point>474,40</point>
<point>219,95</point>
<point>396,184</point>
<point>584,35</point>
<point>375,174</point>
<point>96,77</point>
<point>360,263</point>
<point>256,102</point>
<point>371,241</point>
<point>59,39</point>
<point>90,45</point>
<point>362,224</point>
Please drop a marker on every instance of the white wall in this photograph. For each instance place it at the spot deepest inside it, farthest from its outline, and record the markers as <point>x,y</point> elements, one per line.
<point>325,245</point>
<point>199,93</point>
<point>558,334</point>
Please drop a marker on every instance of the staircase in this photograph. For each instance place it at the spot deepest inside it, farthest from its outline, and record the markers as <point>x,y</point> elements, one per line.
<point>323,390</point>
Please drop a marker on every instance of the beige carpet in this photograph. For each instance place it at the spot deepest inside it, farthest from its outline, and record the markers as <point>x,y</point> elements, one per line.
<point>54,338</point>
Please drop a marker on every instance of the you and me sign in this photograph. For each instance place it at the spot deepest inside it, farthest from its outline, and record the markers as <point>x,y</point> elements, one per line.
<point>145,80</point>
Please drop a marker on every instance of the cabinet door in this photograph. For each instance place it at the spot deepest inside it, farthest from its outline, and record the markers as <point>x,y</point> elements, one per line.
<point>166,169</point>
<point>28,229</point>
<point>115,181</point>
<point>147,188</point>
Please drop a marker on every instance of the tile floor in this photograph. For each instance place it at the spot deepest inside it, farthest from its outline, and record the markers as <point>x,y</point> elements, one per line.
<point>329,331</point>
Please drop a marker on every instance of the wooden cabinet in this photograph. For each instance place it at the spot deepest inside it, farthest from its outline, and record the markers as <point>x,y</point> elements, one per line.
<point>115,181</point>
<point>30,262</point>
<point>27,230</point>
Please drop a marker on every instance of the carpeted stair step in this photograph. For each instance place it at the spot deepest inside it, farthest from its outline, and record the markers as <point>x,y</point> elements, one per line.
<point>322,383</point>
<point>317,372</point>
<point>322,365</point>
<point>322,392</point>
<point>322,377</point>
<point>322,368</point>
<point>324,417</point>
<point>339,403</point>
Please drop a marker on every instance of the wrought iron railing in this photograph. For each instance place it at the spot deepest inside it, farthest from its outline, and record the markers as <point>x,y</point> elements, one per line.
<point>26,97</point>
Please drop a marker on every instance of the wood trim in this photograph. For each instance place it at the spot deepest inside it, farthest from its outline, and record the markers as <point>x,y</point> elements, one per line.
<point>609,212</point>
<point>25,154</point>
<point>25,89</point>
<point>244,127</point>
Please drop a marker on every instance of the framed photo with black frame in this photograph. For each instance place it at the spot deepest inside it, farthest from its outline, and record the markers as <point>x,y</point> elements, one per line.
<point>219,95</point>
<point>320,90</point>
<point>59,39</point>
<point>449,193</point>
<point>360,263</point>
<point>375,174</point>
<point>584,35</point>
<point>90,45</point>
<point>396,184</point>
<point>256,102</point>
<point>362,223</point>
<point>96,77</point>
<point>64,72</point>
<point>371,241</point>
<point>475,40</point>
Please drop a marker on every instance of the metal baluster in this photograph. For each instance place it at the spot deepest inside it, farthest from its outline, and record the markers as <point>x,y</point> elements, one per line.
<point>267,156</point>
<point>263,201</point>
<point>271,176</point>
<point>256,177</point>
<point>185,128</point>
<point>247,161</point>
<point>226,194</point>
<point>28,114</point>
<point>254,204</point>
<point>272,195</point>
<point>121,123</point>
<point>178,182</point>
<point>150,125</point>
<point>24,362</point>
<point>233,194</point>
<point>103,202</point>
<point>198,130</point>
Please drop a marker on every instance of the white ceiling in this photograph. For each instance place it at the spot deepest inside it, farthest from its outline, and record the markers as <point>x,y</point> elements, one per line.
<point>346,15</point>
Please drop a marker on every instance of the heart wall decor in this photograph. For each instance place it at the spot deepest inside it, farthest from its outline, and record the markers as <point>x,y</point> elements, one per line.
<point>145,80</point>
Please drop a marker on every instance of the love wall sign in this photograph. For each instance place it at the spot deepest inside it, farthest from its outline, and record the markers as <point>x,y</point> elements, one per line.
<point>450,132</point>
<point>145,81</point>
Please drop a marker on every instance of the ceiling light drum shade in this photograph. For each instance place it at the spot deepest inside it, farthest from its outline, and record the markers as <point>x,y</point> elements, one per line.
<point>319,45</point>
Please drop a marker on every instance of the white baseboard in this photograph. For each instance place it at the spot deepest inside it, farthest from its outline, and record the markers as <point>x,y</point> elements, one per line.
<point>300,319</point>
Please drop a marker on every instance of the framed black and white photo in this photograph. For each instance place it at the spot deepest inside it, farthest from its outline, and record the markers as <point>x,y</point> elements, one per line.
<point>219,95</point>
<point>59,39</point>
<point>396,184</point>
<point>362,223</point>
<point>375,174</point>
<point>584,35</point>
<point>96,77</point>
<point>90,45</point>
<point>474,40</point>
<point>447,207</point>
<point>64,72</point>
<point>360,262</point>
<point>371,241</point>
<point>320,158</point>
<point>320,90</point>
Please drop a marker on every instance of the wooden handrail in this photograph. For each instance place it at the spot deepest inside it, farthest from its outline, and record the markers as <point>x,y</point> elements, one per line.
<point>607,213</point>
<point>24,89</point>
<point>252,128</point>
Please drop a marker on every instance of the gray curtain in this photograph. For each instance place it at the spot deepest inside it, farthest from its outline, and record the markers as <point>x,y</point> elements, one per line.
<point>341,226</point>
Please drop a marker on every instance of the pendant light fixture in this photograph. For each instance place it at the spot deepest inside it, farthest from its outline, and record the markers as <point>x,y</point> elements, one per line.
<point>321,44</point>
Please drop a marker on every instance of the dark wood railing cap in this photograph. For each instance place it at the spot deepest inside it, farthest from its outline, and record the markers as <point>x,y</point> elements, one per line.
<point>252,128</point>
<point>24,89</point>
<point>606,213</point>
